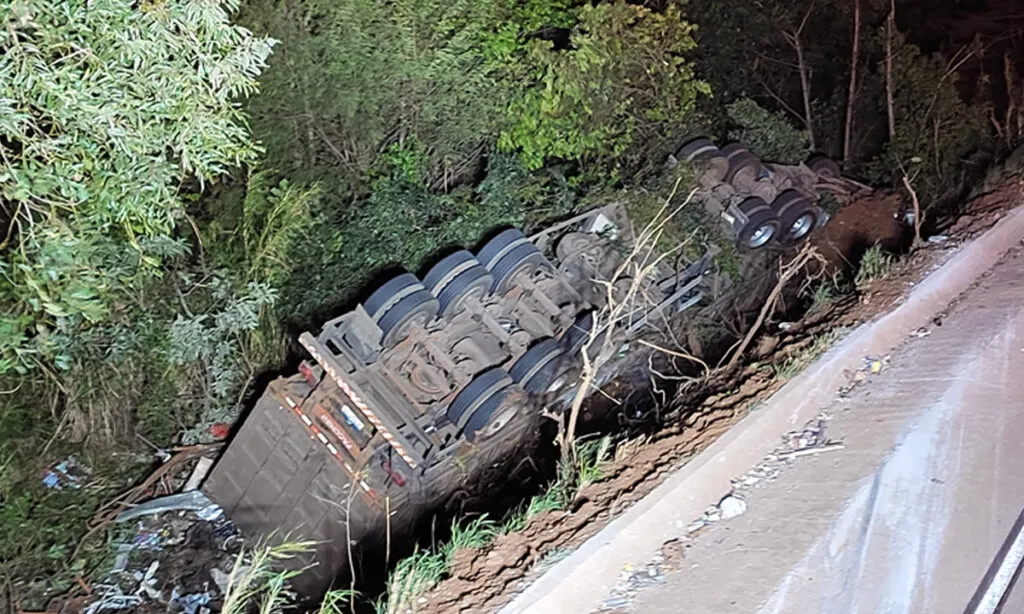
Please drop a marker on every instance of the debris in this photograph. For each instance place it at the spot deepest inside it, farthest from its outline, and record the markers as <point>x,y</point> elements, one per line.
<point>147,582</point>
<point>220,431</point>
<point>673,554</point>
<point>193,500</point>
<point>111,597</point>
<point>922,332</point>
<point>808,451</point>
<point>198,474</point>
<point>190,604</point>
<point>65,474</point>
<point>148,539</point>
<point>732,506</point>
<point>938,238</point>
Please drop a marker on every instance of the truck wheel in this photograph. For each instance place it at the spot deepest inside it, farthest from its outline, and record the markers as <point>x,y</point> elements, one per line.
<point>762,224</point>
<point>495,249</point>
<point>417,309</point>
<point>494,414</point>
<point>798,216</point>
<point>456,278</point>
<point>825,167</point>
<point>470,399</point>
<point>744,170</point>
<point>711,165</point>
<point>578,334</point>
<point>542,369</point>
<point>390,293</point>
<point>521,259</point>
<point>695,148</point>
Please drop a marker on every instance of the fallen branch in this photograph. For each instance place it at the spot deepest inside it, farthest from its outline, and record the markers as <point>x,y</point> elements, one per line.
<point>790,269</point>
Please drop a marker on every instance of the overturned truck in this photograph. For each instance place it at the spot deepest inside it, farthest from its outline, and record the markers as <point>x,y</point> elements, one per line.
<point>430,381</point>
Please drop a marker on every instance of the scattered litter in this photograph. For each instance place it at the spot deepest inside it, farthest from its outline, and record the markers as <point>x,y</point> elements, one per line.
<point>148,539</point>
<point>874,366</point>
<point>220,431</point>
<point>193,500</point>
<point>111,597</point>
<point>68,473</point>
<point>147,582</point>
<point>198,474</point>
<point>814,450</point>
<point>190,604</point>
<point>938,238</point>
<point>921,332</point>
<point>732,506</point>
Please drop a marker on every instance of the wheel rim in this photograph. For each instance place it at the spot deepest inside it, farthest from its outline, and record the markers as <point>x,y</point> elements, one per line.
<point>801,226</point>
<point>558,384</point>
<point>500,421</point>
<point>762,235</point>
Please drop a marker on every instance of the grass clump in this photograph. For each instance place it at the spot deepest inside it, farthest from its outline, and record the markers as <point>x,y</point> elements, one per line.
<point>875,263</point>
<point>797,362</point>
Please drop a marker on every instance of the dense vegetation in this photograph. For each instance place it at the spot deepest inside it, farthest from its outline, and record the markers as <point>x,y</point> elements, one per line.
<point>176,192</point>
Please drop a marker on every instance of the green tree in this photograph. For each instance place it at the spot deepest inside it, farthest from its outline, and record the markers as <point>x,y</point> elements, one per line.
<point>107,110</point>
<point>936,131</point>
<point>625,68</point>
<point>769,134</point>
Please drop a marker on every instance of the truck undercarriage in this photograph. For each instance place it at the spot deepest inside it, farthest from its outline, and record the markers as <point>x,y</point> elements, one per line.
<point>430,382</point>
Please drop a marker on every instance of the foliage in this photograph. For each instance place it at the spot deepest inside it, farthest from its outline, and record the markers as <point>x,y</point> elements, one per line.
<point>624,66</point>
<point>424,569</point>
<point>769,134</point>
<point>255,580</point>
<point>874,264</point>
<point>795,363</point>
<point>103,116</point>
<point>212,344</point>
<point>824,294</point>
<point>936,131</point>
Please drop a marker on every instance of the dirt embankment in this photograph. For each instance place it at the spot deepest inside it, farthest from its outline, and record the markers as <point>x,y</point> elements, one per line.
<point>482,581</point>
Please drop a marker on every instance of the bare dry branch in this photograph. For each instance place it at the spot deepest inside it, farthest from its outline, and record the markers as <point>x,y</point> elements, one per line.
<point>798,263</point>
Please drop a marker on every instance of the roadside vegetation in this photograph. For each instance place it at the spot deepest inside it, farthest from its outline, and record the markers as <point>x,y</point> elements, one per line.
<point>167,229</point>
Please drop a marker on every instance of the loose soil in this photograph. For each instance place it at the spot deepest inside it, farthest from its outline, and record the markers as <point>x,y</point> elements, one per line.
<point>482,581</point>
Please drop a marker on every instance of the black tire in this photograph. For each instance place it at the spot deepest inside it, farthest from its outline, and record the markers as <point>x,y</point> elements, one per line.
<point>524,257</point>
<point>732,149</point>
<point>762,225</point>
<point>798,216</point>
<point>824,167</point>
<point>488,254</point>
<point>383,295</point>
<point>743,162</point>
<point>477,282</point>
<point>439,274</point>
<point>420,307</point>
<point>493,415</point>
<point>455,278</point>
<point>476,392</point>
<point>540,367</point>
<point>578,334</point>
<point>696,149</point>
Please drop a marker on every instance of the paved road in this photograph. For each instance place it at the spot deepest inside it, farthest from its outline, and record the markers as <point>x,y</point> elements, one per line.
<point>910,516</point>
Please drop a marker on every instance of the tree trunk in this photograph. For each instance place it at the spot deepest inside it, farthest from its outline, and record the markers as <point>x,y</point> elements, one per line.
<point>890,27</point>
<point>806,87</point>
<point>852,98</point>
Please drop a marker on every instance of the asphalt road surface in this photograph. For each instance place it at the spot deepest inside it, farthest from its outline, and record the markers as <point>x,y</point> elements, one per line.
<point>916,514</point>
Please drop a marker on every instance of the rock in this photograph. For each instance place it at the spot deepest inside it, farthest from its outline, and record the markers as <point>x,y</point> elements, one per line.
<point>732,506</point>
<point>673,553</point>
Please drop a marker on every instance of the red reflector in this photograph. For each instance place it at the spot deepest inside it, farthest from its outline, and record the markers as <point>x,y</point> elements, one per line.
<point>307,373</point>
<point>398,479</point>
